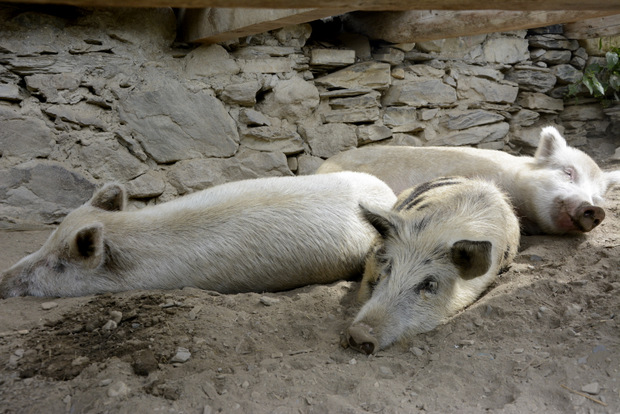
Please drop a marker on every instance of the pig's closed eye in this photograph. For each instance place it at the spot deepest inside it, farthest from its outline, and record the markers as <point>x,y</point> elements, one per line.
<point>570,173</point>
<point>428,285</point>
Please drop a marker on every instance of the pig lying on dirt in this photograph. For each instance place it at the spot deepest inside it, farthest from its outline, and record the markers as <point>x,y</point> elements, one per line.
<point>555,192</point>
<point>439,248</point>
<point>255,235</point>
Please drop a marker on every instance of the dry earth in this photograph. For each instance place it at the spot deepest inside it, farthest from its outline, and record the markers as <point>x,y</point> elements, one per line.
<point>544,338</point>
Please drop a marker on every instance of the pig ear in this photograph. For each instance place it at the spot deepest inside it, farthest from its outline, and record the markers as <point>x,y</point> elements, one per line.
<point>612,179</point>
<point>550,143</point>
<point>472,258</point>
<point>110,198</point>
<point>379,220</point>
<point>87,246</point>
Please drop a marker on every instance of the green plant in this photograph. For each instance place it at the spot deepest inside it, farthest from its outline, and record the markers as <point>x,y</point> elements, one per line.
<point>602,81</point>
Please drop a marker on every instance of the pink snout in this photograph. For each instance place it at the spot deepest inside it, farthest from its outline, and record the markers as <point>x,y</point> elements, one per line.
<point>588,217</point>
<point>361,339</point>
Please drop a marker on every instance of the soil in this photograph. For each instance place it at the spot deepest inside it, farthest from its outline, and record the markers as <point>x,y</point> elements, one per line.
<point>544,338</point>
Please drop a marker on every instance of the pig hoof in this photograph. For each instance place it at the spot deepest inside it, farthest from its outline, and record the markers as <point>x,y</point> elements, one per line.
<point>361,339</point>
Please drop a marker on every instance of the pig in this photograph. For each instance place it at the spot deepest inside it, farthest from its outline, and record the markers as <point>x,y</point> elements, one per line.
<point>265,234</point>
<point>438,249</point>
<point>558,191</point>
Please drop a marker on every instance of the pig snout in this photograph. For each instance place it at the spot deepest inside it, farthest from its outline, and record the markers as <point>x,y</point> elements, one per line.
<point>588,217</point>
<point>361,339</point>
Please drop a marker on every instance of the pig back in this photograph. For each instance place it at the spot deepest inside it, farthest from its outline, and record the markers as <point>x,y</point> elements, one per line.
<point>255,235</point>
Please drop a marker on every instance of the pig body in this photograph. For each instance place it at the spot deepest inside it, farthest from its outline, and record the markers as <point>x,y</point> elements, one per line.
<point>439,248</point>
<point>555,192</point>
<point>255,235</point>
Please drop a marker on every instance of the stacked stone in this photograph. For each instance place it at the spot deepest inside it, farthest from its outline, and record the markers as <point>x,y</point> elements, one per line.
<point>104,95</point>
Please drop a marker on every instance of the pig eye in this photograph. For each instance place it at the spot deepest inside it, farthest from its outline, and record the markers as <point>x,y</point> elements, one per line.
<point>570,172</point>
<point>428,285</point>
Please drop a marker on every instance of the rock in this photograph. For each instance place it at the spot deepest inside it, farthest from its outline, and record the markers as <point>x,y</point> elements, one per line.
<point>251,118</point>
<point>553,41</point>
<point>360,115</point>
<point>479,89</point>
<point>532,79</point>
<point>420,93</point>
<point>49,86</point>
<point>267,301</point>
<point>173,123</point>
<point>464,47</point>
<point>209,61</point>
<point>374,75</point>
<point>49,305</point>
<point>292,99</point>
<point>471,118</point>
<point>389,55</point>
<point>458,69</point>
<point>554,57</point>
<point>10,93</point>
<point>198,174</point>
<point>40,192</point>
<point>566,74</point>
<point>144,362</point>
<point>328,140</point>
<point>24,136</point>
<point>267,65</point>
<point>372,133</point>
<point>147,185</point>
<point>397,116</point>
<point>264,51</point>
<point>592,389</point>
<point>118,390</point>
<point>525,117</point>
<point>508,50</point>
<point>106,159</point>
<point>294,35</point>
<point>243,93</point>
<point>308,164</point>
<point>182,355</point>
<point>475,135</point>
<point>109,326</point>
<point>116,316</point>
<point>276,139</point>
<point>540,102</point>
<point>585,113</point>
<point>332,57</point>
<point>369,100</point>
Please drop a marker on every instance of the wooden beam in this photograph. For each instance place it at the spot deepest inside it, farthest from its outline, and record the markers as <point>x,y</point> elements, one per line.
<point>420,25</point>
<point>219,25</point>
<point>350,4</point>
<point>592,28</point>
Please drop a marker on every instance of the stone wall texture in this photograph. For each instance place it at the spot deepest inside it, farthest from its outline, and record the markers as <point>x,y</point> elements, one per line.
<point>90,96</point>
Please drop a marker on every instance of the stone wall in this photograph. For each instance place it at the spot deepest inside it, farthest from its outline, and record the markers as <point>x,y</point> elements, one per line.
<point>88,97</point>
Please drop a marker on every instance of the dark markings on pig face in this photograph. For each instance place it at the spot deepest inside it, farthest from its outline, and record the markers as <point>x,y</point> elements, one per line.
<point>564,188</point>
<point>416,195</point>
<point>413,282</point>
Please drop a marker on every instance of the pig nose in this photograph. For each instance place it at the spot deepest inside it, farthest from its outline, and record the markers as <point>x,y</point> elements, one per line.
<point>589,217</point>
<point>360,338</point>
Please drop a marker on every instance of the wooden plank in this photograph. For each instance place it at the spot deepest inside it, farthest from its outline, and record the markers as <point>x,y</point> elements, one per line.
<point>592,28</point>
<point>417,26</point>
<point>218,25</point>
<point>351,4</point>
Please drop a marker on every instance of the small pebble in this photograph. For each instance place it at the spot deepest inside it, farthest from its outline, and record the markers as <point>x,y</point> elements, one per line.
<point>267,301</point>
<point>116,316</point>
<point>82,360</point>
<point>105,382</point>
<point>417,351</point>
<point>109,326</point>
<point>182,355</point>
<point>592,389</point>
<point>49,305</point>
<point>119,389</point>
<point>518,351</point>
<point>353,361</point>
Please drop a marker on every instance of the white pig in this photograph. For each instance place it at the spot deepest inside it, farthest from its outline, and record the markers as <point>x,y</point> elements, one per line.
<point>439,248</point>
<point>256,235</point>
<point>556,192</point>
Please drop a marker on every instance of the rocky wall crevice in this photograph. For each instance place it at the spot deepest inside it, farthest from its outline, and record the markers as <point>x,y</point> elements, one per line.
<point>90,96</point>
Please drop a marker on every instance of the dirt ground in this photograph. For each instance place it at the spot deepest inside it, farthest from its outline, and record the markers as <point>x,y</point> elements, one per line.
<point>544,338</point>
